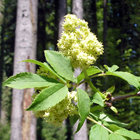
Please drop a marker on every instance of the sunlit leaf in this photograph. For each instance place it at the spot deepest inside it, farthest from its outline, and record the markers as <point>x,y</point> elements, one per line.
<point>130,78</point>
<point>98,132</point>
<point>28,80</point>
<point>127,133</point>
<point>83,106</point>
<point>97,99</point>
<point>113,136</point>
<point>111,69</point>
<point>49,97</point>
<point>60,64</point>
<point>45,66</point>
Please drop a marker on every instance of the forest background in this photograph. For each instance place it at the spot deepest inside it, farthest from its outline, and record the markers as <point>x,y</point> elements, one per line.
<point>114,22</point>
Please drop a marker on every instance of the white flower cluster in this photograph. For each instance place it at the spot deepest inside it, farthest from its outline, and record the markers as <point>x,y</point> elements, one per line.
<point>78,43</point>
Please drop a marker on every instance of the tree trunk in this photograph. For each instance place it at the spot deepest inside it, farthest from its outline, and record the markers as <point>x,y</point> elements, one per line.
<point>77,9</point>
<point>62,11</point>
<point>23,123</point>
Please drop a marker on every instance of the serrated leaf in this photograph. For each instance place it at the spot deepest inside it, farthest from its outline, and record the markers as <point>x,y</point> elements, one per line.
<point>83,103</point>
<point>127,133</point>
<point>60,64</point>
<point>97,132</point>
<point>49,97</point>
<point>113,136</point>
<point>46,66</point>
<point>130,78</point>
<point>111,89</point>
<point>111,69</point>
<point>92,70</point>
<point>28,80</point>
<point>97,99</point>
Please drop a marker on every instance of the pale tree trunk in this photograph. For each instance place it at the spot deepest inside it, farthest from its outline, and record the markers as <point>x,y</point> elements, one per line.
<point>23,123</point>
<point>77,9</point>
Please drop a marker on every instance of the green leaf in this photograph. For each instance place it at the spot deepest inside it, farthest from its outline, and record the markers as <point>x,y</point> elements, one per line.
<point>114,109</point>
<point>61,64</point>
<point>35,62</point>
<point>113,127</point>
<point>46,66</point>
<point>94,108</point>
<point>130,78</point>
<point>127,133</point>
<point>92,70</point>
<point>97,132</point>
<point>138,78</point>
<point>97,99</point>
<point>49,97</point>
<point>111,89</point>
<point>111,69</point>
<point>113,136</point>
<point>28,80</point>
<point>108,118</point>
<point>83,104</point>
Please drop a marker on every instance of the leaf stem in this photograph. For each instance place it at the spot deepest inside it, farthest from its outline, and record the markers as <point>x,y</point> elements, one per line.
<point>91,84</point>
<point>99,124</point>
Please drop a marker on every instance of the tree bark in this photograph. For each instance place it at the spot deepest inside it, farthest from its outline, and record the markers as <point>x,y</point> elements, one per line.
<point>77,9</point>
<point>23,124</point>
<point>62,11</point>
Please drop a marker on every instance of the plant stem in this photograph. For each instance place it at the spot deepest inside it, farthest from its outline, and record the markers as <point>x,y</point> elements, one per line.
<point>99,124</point>
<point>91,84</point>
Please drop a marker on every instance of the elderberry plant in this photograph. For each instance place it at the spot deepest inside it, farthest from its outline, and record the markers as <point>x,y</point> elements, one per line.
<point>52,100</point>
